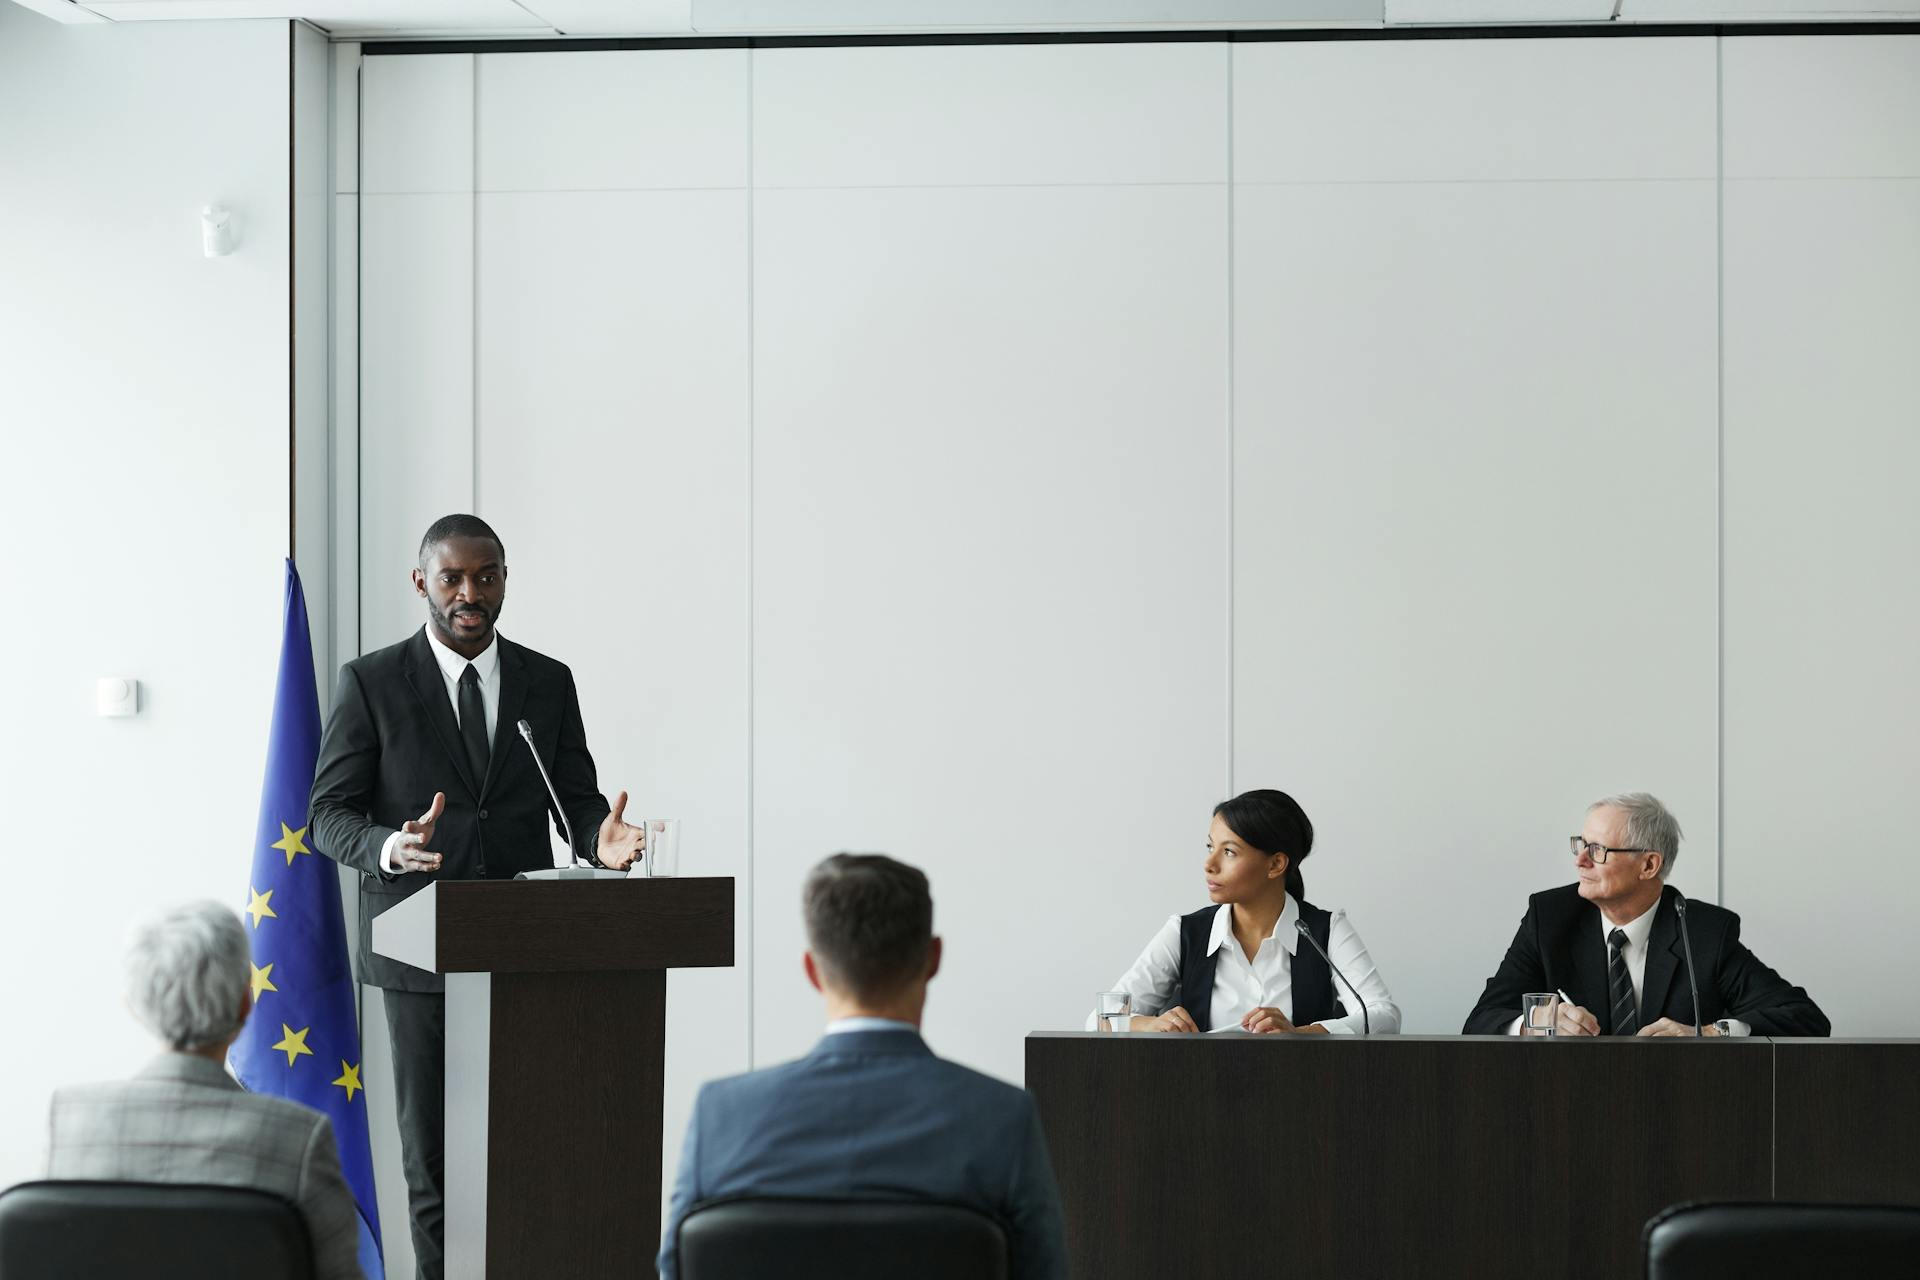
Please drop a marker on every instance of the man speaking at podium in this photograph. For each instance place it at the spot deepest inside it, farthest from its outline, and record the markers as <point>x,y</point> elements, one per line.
<point>422,776</point>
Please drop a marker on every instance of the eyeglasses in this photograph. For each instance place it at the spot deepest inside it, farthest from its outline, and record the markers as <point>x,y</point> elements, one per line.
<point>1598,852</point>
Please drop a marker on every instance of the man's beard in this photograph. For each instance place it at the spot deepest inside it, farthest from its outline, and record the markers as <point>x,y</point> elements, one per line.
<point>444,621</point>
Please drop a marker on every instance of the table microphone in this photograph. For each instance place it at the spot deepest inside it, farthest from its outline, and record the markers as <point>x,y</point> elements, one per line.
<point>1686,946</point>
<point>573,850</point>
<point>1366,1022</point>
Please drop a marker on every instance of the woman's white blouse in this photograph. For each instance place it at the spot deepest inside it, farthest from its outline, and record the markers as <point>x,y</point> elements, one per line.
<point>1241,985</point>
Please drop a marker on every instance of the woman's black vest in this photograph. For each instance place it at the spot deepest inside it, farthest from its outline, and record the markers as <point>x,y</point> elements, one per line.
<point>1313,997</point>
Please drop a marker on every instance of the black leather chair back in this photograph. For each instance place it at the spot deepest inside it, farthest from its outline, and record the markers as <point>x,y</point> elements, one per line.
<point>150,1230</point>
<point>1769,1238</point>
<point>839,1240</point>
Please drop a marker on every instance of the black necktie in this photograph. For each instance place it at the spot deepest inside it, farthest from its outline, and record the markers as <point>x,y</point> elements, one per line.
<point>473,725</point>
<point>1620,983</point>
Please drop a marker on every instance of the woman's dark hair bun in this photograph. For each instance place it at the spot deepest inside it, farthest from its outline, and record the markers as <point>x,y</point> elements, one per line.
<point>1272,822</point>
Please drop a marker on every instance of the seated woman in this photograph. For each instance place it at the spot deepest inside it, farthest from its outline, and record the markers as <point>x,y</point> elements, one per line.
<point>1241,963</point>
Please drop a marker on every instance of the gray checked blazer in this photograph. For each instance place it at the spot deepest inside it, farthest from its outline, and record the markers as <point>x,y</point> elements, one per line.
<point>183,1119</point>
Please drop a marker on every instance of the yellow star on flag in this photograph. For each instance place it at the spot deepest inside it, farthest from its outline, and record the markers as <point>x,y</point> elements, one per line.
<point>293,1043</point>
<point>262,979</point>
<point>291,842</point>
<point>349,1079</point>
<point>261,905</point>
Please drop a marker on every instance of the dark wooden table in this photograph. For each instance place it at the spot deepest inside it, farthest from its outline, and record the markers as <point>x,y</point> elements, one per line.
<point>1847,1121</point>
<point>1440,1156</point>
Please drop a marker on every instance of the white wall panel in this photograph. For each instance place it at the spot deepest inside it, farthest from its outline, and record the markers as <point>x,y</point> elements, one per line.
<point>416,392</point>
<point>344,103</point>
<point>976,114</point>
<point>1823,611</point>
<point>613,414</point>
<point>612,120</point>
<point>345,433</point>
<point>990,593</point>
<point>1473,110</point>
<point>143,498</point>
<point>415,449</point>
<point>1822,107</point>
<point>1474,557</point>
<point>417,133</point>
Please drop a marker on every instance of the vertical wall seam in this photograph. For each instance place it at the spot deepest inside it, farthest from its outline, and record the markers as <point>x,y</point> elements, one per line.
<point>331,374</point>
<point>293,327</point>
<point>752,405</point>
<point>359,355</point>
<point>473,273</point>
<point>1720,474</point>
<point>359,517</point>
<point>1232,200</point>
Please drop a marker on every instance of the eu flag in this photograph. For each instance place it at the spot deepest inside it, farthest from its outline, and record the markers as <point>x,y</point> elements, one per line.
<point>303,1040</point>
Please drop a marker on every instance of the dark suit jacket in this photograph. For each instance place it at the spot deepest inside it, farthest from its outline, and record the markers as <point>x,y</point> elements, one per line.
<point>392,741</point>
<point>874,1115</point>
<point>1560,946</point>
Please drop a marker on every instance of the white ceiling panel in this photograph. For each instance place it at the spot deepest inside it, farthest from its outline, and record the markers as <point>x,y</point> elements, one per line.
<point>1475,12</point>
<point>616,17</point>
<point>746,17</point>
<point>63,10</point>
<point>1765,10</point>
<point>344,17</point>
<point>454,19</point>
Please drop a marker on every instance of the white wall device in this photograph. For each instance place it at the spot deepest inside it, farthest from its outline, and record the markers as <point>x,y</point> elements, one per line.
<point>218,235</point>
<point>119,696</point>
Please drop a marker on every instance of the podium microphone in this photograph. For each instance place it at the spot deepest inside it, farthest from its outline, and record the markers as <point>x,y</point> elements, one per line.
<point>573,850</point>
<point>1366,1022</point>
<point>1686,946</point>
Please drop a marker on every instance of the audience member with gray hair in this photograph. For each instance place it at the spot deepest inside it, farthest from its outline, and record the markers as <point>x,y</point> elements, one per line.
<point>182,1118</point>
<point>1609,946</point>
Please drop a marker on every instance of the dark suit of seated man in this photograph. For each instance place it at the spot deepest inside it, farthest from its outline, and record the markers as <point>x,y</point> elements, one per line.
<point>1611,942</point>
<point>871,1113</point>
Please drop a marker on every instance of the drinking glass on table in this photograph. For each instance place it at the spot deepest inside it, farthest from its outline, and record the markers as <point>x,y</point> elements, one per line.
<point>662,855</point>
<point>1539,1011</point>
<point>1116,1011</point>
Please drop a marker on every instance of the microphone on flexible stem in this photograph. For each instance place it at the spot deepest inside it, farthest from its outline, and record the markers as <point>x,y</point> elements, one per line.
<point>1686,946</point>
<point>573,850</point>
<point>1366,1022</point>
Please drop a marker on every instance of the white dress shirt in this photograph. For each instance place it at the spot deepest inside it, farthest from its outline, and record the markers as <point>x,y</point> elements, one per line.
<point>845,1026</point>
<point>1241,985</point>
<point>452,667</point>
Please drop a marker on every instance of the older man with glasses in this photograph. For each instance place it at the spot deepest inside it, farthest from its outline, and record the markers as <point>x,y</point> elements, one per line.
<point>1610,946</point>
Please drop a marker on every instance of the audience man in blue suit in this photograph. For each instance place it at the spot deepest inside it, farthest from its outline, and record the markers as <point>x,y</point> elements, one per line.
<point>871,1113</point>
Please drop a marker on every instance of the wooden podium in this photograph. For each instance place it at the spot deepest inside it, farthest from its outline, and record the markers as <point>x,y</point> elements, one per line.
<point>556,1034</point>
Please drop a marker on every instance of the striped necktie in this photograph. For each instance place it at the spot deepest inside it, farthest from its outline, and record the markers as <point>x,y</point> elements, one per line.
<point>1626,1020</point>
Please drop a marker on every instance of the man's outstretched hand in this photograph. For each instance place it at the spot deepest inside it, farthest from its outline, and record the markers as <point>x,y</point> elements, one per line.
<point>620,841</point>
<point>414,852</point>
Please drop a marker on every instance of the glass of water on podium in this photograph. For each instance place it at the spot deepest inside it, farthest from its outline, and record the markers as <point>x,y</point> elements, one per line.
<point>662,855</point>
<point>1116,1011</point>
<point>1539,1011</point>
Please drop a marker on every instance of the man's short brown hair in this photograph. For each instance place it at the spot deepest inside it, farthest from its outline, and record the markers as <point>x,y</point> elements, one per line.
<point>869,922</point>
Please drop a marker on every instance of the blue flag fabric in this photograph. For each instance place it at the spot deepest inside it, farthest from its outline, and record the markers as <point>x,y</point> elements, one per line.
<point>303,1040</point>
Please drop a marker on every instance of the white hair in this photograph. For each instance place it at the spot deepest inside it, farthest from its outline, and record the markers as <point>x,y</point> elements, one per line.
<point>1650,825</point>
<point>187,973</point>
